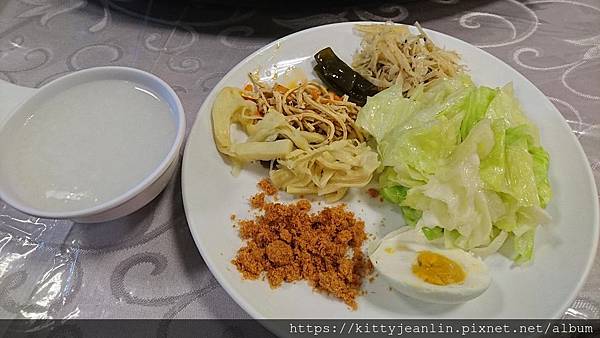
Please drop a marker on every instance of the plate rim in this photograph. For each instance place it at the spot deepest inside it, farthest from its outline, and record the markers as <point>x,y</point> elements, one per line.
<point>237,297</point>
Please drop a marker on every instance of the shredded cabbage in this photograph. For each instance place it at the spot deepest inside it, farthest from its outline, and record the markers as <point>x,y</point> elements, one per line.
<point>463,163</point>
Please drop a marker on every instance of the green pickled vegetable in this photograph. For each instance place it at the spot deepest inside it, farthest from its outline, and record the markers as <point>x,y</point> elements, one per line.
<point>341,78</point>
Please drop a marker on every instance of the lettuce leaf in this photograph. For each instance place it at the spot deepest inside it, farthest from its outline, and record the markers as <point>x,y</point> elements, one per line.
<point>433,233</point>
<point>423,148</point>
<point>475,107</point>
<point>519,165</point>
<point>541,162</point>
<point>388,110</point>
<point>385,111</point>
<point>463,164</point>
<point>519,248</point>
<point>506,107</point>
<point>453,198</point>
<point>493,168</point>
<point>396,194</point>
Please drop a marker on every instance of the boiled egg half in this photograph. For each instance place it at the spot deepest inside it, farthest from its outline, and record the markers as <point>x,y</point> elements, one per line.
<point>426,271</point>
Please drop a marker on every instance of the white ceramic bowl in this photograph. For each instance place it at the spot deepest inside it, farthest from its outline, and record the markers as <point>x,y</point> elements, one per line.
<point>15,101</point>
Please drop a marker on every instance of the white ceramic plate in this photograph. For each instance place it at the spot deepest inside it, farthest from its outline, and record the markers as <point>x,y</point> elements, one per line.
<point>564,249</point>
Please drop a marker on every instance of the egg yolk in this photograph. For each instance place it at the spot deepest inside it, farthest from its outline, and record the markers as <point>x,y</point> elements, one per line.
<point>437,269</point>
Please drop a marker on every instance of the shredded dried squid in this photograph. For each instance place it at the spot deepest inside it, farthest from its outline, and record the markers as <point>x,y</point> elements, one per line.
<point>391,55</point>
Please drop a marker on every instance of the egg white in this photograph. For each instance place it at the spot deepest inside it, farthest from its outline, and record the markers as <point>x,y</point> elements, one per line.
<point>395,255</point>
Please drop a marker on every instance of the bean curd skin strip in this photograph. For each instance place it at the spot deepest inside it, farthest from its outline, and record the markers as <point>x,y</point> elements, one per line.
<point>332,156</point>
<point>326,171</point>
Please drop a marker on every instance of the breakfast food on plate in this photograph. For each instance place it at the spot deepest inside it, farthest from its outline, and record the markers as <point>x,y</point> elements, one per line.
<point>308,131</point>
<point>392,55</point>
<point>267,187</point>
<point>428,272</point>
<point>328,170</point>
<point>462,162</point>
<point>309,106</point>
<point>341,78</point>
<point>287,243</point>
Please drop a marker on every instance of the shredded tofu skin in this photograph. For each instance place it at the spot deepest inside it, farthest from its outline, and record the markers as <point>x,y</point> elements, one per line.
<point>308,106</point>
<point>391,55</point>
<point>306,131</point>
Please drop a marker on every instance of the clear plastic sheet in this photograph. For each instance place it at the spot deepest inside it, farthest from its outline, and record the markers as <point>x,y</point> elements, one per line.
<point>32,242</point>
<point>146,265</point>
